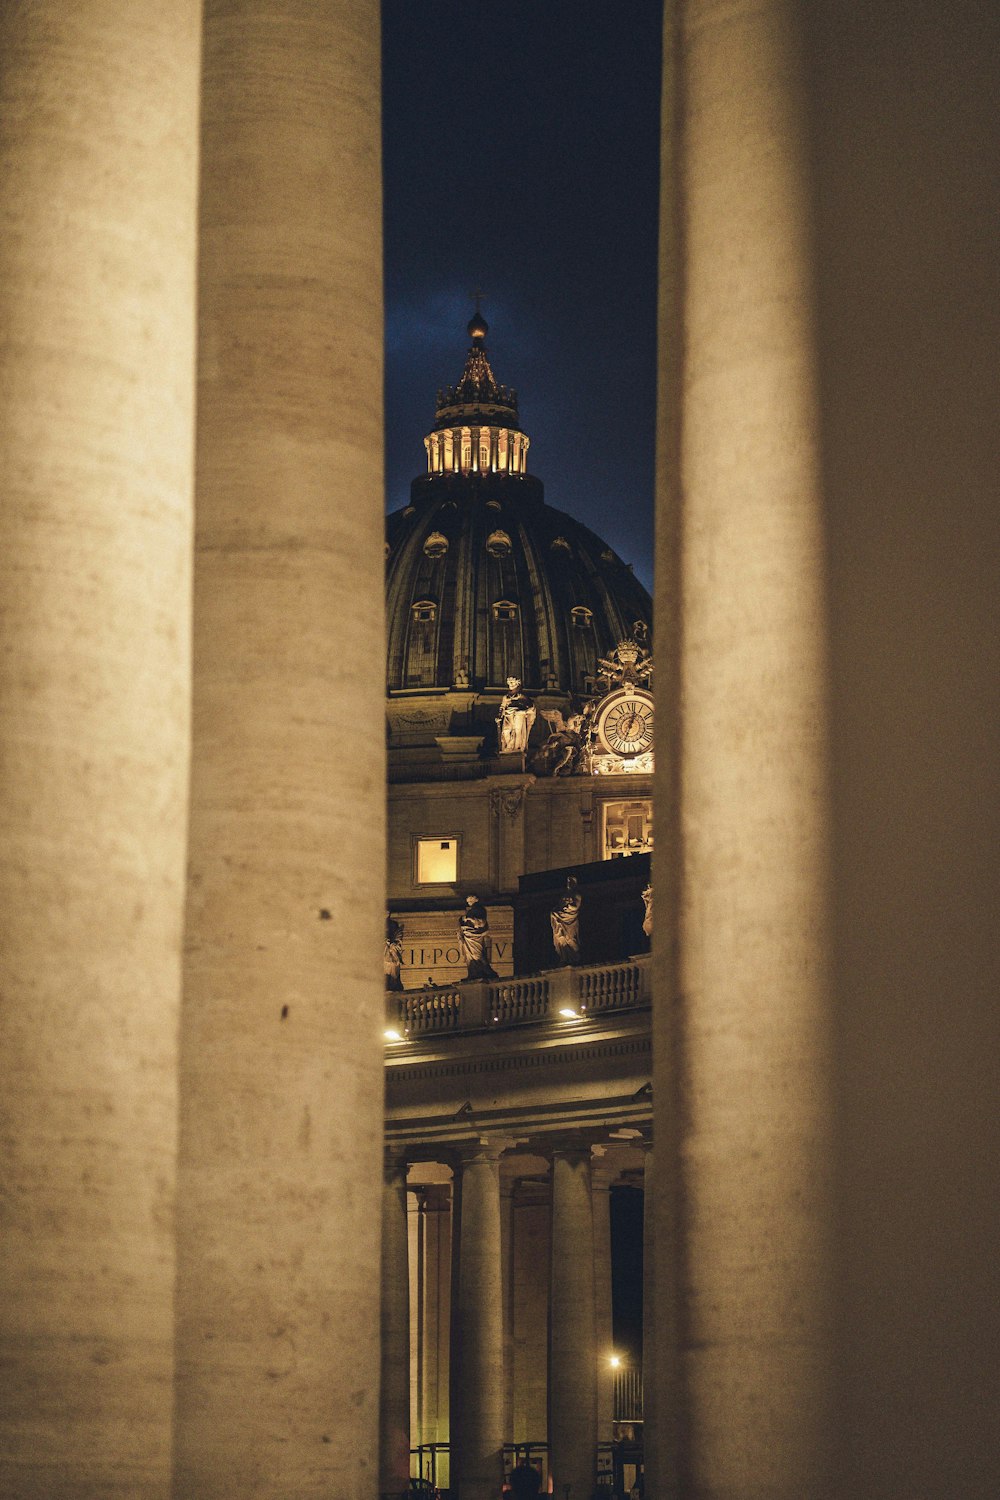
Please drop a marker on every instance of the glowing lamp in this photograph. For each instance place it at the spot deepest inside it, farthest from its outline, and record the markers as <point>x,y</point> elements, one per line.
<point>392,1035</point>
<point>569,1013</point>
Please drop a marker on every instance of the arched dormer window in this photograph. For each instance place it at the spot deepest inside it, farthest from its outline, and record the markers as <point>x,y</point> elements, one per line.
<point>582,616</point>
<point>436,545</point>
<point>423,611</point>
<point>498,544</point>
<point>560,544</point>
<point>505,609</point>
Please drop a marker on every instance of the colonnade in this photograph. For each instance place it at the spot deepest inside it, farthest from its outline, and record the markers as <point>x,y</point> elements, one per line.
<point>200,1318</point>
<point>572,1285</point>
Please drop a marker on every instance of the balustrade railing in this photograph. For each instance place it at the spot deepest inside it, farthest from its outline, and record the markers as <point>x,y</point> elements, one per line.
<point>560,993</point>
<point>422,1011</point>
<point>610,987</point>
<point>514,1000</point>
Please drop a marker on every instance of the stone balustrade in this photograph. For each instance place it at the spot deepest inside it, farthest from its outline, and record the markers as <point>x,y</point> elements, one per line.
<point>557,994</point>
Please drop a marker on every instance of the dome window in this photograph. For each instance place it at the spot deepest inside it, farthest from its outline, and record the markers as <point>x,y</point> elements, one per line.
<point>608,556</point>
<point>560,544</point>
<point>424,611</point>
<point>493,505</point>
<point>498,544</point>
<point>582,616</point>
<point>436,545</point>
<point>410,510</point>
<point>505,609</point>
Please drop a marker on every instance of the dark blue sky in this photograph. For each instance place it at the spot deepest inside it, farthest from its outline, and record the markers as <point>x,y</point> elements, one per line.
<point>521,156</point>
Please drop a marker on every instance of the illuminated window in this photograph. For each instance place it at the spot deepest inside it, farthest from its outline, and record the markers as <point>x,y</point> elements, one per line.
<point>449,451</point>
<point>498,544</point>
<point>436,860</point>
<point>628,827</point>
<point>424,610</point>
<point>436,545</point>
<point>505,609</point>
<point>484,449</point>
<point>502,439</point>
<point>582,616</point>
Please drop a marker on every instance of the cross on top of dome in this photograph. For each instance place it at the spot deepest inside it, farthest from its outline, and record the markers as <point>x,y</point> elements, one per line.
<point>478,396</point>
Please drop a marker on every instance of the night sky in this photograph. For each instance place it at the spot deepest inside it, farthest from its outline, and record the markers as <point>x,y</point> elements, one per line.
<point>521,156</point>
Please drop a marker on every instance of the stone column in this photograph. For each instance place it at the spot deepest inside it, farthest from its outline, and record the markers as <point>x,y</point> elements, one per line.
<point>278,1229</point>
<point>601,1176</point>
<point>507,1187</point>
<point>572,1346</point>
<point>394,1406</point>
<point>743,1199</point>
<point>904,122</point>
<point>477,1383</point>
<point>652,1432</point>
<point>98,186</point>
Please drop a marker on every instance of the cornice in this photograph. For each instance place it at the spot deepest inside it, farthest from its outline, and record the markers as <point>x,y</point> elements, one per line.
<point>544,1045</point>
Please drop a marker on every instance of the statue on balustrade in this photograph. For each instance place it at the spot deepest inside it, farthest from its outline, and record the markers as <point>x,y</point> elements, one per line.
<point>516,716</point>
<point>474,938</point>
<point>393,953</point>
<point>565,919</point>
<point>647,901</point>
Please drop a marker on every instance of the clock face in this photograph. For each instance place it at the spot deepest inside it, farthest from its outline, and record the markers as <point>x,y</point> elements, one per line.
<point>624,723</point>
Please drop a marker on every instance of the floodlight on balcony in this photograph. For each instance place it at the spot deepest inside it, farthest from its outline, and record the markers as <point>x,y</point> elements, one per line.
<point>568,1013</point>
<point>392,1035</point>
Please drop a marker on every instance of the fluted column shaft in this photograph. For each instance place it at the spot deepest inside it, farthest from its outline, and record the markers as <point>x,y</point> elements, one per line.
<point>572,1344</point>
<point>478,1379</point>
<point>394,1405</point>
<point>98,193</point>
<point>745,1045</point>
<point>278,1320</point>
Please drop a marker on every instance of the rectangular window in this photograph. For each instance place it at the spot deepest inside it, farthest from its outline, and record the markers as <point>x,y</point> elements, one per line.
<point>437,861</point>
<point>628,827</point>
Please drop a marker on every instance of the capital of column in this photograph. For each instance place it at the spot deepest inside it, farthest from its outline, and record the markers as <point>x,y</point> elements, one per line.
<point>571,1145</point>
<point>482,1148</point>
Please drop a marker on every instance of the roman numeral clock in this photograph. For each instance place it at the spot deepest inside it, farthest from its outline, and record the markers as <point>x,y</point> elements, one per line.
<point>621,734</point>
<point>623,723</point>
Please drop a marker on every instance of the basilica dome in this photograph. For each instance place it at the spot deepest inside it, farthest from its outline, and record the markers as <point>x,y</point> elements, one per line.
<point>484,581</point>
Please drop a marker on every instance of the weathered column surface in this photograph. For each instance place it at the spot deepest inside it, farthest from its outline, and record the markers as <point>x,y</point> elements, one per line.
<point>600,1185</point>
<point>655,1434</point>
<point>745,1048</point>
<point>394,1403</point>
<point>97,237</point>
<point>572,1345</point>
<point>507,1188</point>
<point>904,115</point>
<point>279,1215</point>
<point>477,1380</point>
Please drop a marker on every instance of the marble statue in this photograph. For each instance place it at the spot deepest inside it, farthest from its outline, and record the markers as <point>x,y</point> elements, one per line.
<point>393,953</point>
<point>474,938</point>
<point>516,716</point>
<point>565,919</point>
<point>647,901</point>
<point>565,752</point>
